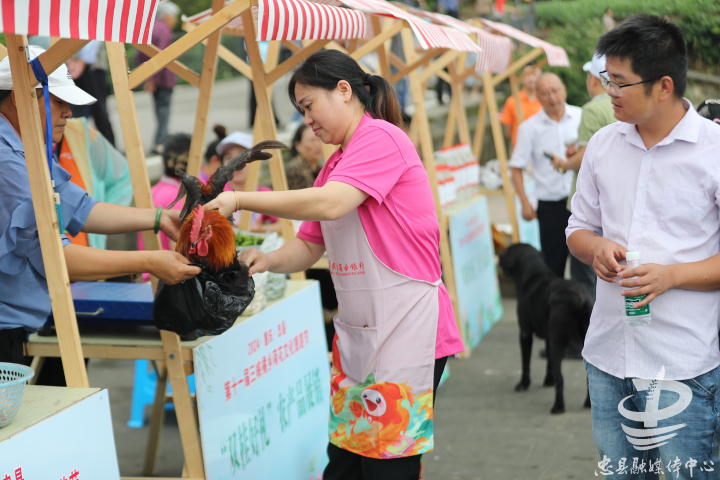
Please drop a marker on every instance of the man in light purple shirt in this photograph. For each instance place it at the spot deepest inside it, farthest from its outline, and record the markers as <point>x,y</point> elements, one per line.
<point>651,183</point>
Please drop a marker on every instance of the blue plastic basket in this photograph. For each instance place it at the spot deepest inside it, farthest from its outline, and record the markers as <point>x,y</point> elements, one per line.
<point>13,378</point>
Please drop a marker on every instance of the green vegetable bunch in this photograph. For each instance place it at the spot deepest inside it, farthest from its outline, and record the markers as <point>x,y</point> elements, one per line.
<point>244,240</point>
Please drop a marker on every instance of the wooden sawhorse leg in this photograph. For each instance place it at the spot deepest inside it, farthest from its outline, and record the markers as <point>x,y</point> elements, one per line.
<point>156,420</point>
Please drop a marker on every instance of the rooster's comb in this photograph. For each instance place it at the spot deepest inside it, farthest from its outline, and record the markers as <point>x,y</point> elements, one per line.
<point>198,214</point>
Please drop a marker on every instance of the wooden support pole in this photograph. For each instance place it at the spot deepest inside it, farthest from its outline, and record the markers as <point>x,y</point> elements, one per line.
<point>516,65</point>
<point>300,56</point>
<point>538,66</point>
<point>223,52</point>
<point>421,61</point>
<point>444,75</point>
<point>449,138</point>
<point>515,90</point>
<point>197,35</point>
<point>480,128</point>
<point>292,46</point>
<point>265,122</point>
<point>179,69</point>
<point>437,66</point>
<point>384,65</point>
<point>427,153</point>
<point>499,138</point>
<point>378,40</point>
<point>187,424</point>
<point>156,421</point>
<point>352,45</point>
<point>457,97</point>
<point>56,55</point>
<point>207,80</point>
<point>45,214</point>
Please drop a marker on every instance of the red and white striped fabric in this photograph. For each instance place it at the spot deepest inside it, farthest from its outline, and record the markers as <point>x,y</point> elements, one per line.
<point>429,35</point>
<point>235,24</point>
<point>302,20</point>
<point>496,50</point>
<point>557,56</point>
<point>127,21</point>
<point>298,20</point>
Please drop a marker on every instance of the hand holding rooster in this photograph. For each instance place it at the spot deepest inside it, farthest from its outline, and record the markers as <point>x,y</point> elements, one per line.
<point>206,236</point>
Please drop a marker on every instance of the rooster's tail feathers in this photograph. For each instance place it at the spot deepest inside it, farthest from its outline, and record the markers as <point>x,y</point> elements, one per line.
<point>190,187</point>
<point>256,153</point>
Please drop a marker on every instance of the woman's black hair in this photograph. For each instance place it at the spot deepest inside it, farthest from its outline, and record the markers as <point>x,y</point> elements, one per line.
<point>710,109</point>
<point>297,139</point>
<point>176,150</point>
<point>4,95</point>
<point>220,132</point>
<point>325,68</point>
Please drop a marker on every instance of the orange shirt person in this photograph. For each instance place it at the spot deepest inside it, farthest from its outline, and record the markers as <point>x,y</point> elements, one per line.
<point>529,103</point>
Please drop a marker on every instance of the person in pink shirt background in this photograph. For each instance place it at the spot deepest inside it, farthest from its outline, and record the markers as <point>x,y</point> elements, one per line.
<point>372,210</point>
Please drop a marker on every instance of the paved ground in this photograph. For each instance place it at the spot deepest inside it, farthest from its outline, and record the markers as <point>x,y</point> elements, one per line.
<point>484,429</point>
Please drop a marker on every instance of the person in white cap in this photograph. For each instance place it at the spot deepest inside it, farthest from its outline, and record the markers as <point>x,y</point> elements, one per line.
<point>24,303</point>
<point>228,148</point>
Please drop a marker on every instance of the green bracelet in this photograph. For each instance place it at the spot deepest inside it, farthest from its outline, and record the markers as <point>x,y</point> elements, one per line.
<point>157,220</point>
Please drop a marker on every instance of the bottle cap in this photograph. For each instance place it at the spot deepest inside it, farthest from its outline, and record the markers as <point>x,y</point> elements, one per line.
<point>632,256</point>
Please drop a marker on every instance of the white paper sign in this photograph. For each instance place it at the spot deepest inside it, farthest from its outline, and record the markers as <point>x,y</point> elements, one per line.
<point>75,444</point>
<point>263,390</point>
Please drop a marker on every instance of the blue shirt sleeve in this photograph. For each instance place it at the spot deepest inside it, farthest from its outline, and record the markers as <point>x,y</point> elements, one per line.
<point>19,241</point>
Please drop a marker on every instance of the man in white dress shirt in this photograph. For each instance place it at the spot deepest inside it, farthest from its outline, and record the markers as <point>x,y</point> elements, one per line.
<point>651,183</point>
<point>542,135</point>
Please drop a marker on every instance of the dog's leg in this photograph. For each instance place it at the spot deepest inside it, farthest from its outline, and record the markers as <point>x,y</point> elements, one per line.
<point>526,341</point>
<point>555,361</point>
<point>587,399</point>
<point>549,372</point>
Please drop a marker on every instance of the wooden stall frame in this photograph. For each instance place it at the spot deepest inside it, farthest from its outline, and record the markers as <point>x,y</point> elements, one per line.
<point>418,66</point>
<point>24,83</point>
<point>69,347</point>
<point>174,362</point>
<point>172,367</point>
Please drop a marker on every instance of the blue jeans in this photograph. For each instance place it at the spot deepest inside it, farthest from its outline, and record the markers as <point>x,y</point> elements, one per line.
<point>689,450</point>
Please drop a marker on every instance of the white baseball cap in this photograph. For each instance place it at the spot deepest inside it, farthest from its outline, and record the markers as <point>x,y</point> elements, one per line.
<point>60,82</point>
<point>238,138</point>
<point>595,66</point>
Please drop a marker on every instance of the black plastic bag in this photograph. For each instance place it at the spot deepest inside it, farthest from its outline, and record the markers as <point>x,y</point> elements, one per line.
<point>204,305</point>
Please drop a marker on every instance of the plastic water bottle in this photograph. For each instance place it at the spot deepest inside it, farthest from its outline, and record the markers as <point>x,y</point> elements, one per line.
<point>635,317</point>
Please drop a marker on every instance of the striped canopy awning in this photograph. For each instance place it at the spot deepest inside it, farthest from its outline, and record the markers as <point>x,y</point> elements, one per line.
<point>428,34</point>
<point>325,19</point>
<point>126,21</point>
<point>557,56</point>
<point>298,20</point>
<point>496,50</point>
<point>303,20</point>
<point>235,24</point>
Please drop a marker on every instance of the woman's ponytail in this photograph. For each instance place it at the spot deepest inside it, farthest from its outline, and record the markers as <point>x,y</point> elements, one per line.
<point>383,101</point>
<point>325,68</point>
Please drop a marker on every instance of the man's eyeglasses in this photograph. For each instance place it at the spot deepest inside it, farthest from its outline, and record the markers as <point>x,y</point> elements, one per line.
<point>614,88</point>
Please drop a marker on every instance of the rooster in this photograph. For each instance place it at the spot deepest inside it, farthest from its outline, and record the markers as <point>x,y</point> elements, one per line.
<point>207,238</point>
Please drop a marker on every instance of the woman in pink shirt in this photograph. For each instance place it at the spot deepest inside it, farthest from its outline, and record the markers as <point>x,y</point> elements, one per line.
<point>372,209</point>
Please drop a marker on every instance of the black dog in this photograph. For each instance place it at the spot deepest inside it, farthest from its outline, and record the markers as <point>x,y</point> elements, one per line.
<point>552,308</point>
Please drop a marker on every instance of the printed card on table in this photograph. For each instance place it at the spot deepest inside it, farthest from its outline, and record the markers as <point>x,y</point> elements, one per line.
<point>263,390</point>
